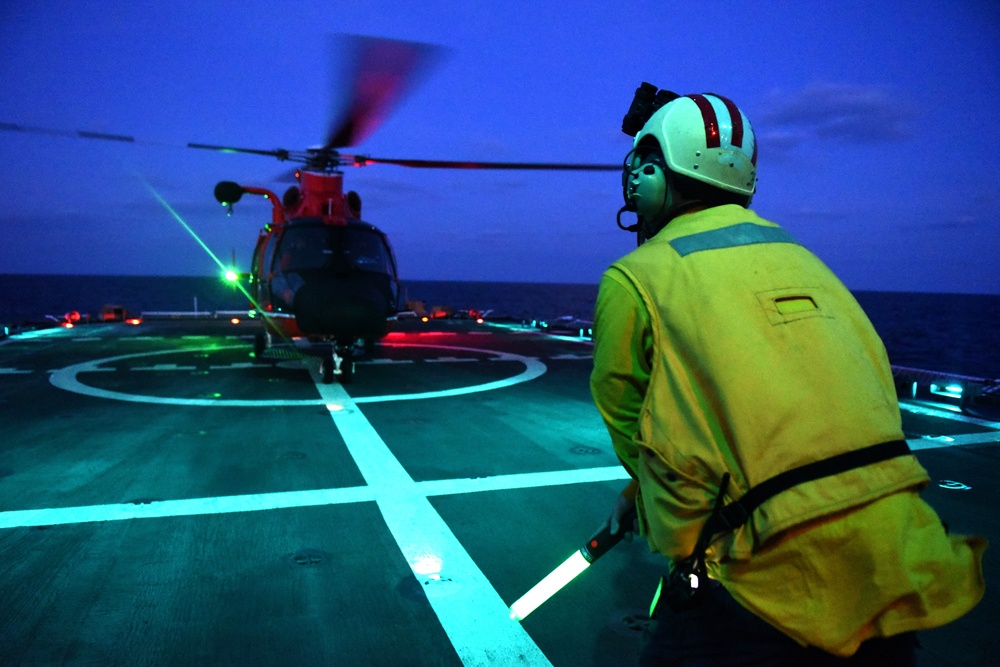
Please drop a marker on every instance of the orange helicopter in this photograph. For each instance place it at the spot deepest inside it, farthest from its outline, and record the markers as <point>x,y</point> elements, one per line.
<point>318,271</point>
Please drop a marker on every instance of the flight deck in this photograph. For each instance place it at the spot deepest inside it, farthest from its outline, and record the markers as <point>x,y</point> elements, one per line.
<point>166,498</point>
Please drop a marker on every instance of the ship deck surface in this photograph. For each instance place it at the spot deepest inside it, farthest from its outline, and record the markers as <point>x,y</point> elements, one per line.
<point>165,500</point>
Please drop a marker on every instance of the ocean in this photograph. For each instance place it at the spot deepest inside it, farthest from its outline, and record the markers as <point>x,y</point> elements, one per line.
<point>949,333</point>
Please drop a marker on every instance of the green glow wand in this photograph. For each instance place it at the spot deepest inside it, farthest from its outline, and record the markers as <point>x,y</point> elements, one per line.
<point>554,581</point>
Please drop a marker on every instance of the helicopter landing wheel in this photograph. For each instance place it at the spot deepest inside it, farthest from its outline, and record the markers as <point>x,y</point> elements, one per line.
<point>346,371</point>
<point>261,341</point>
<point>327,366</point>
<point>344,354</point>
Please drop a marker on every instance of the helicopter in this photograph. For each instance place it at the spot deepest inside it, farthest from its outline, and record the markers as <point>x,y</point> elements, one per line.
<point>319,272</point>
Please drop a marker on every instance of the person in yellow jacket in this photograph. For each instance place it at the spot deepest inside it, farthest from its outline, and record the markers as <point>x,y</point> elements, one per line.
<point>752,402</point>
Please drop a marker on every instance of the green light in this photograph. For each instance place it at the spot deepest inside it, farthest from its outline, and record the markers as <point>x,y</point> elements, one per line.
<point>549,586</point>
<point>180,220</point>
<point>232,276</point>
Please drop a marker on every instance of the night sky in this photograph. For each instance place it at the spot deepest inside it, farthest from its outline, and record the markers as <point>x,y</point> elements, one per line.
<point>877,125</point>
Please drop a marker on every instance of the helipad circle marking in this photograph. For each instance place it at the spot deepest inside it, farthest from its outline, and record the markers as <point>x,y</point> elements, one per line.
<point>66,379</point>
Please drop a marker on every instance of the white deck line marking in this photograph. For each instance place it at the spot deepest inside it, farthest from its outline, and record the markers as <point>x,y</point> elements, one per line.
<point>382,362</point>
<point>469,609</point>
<point>941,413</point>
<point>443,487</point>
<point>66,379</point>
<point>187,507</point>
<point>965,439</point>
<point>533,369</point>
<point>292,499</point>
<point>258,502</point>
<point>37,333</point>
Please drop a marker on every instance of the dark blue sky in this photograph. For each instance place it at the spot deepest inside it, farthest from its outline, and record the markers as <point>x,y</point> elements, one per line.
<point>876,124</point>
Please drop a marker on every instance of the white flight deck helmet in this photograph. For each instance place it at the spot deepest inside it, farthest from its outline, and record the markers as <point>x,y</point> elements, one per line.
<point>706,138</point>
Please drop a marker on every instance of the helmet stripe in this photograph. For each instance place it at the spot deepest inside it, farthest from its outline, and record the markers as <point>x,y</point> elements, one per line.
<point>737,120</point>
<point>712,136</point>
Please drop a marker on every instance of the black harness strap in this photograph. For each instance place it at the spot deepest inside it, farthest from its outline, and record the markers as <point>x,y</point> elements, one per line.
<point>681,589</point>
<point>736,513</point>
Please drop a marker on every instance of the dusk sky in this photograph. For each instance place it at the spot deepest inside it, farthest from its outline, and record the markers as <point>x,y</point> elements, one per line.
<point>876,124</point>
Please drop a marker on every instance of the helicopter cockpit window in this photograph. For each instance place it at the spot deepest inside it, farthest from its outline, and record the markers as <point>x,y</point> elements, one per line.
<point>272,244</point>
<point>367,251</point>
<point>337,248</point>
<point>303,248</point>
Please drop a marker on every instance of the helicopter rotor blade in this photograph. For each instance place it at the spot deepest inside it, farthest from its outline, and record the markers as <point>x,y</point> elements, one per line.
<point>279,153</point>
<point>384,69</point>
<point>362,160</point>
<point>75,134</point>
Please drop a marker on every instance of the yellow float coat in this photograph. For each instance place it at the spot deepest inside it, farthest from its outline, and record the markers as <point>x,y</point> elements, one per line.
<point>721,345</point>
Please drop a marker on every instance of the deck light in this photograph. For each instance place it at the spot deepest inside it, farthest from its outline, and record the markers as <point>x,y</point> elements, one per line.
<point>948,390</point>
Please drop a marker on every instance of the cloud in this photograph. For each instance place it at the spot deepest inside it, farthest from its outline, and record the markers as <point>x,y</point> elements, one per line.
<point>846,113</point>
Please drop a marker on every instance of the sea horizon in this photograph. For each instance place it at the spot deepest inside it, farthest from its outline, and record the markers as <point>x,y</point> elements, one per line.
<point>442,280</point>
<point>944,332</point>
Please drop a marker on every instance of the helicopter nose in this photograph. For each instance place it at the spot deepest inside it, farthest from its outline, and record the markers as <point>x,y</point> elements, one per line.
<point>341,307</point>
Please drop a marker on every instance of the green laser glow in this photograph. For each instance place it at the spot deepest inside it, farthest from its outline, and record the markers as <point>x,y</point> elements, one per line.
<point>176,216</point>
<point>232,276</point>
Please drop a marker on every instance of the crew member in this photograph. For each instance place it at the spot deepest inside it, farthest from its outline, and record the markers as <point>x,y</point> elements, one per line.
<point>726,354</point>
